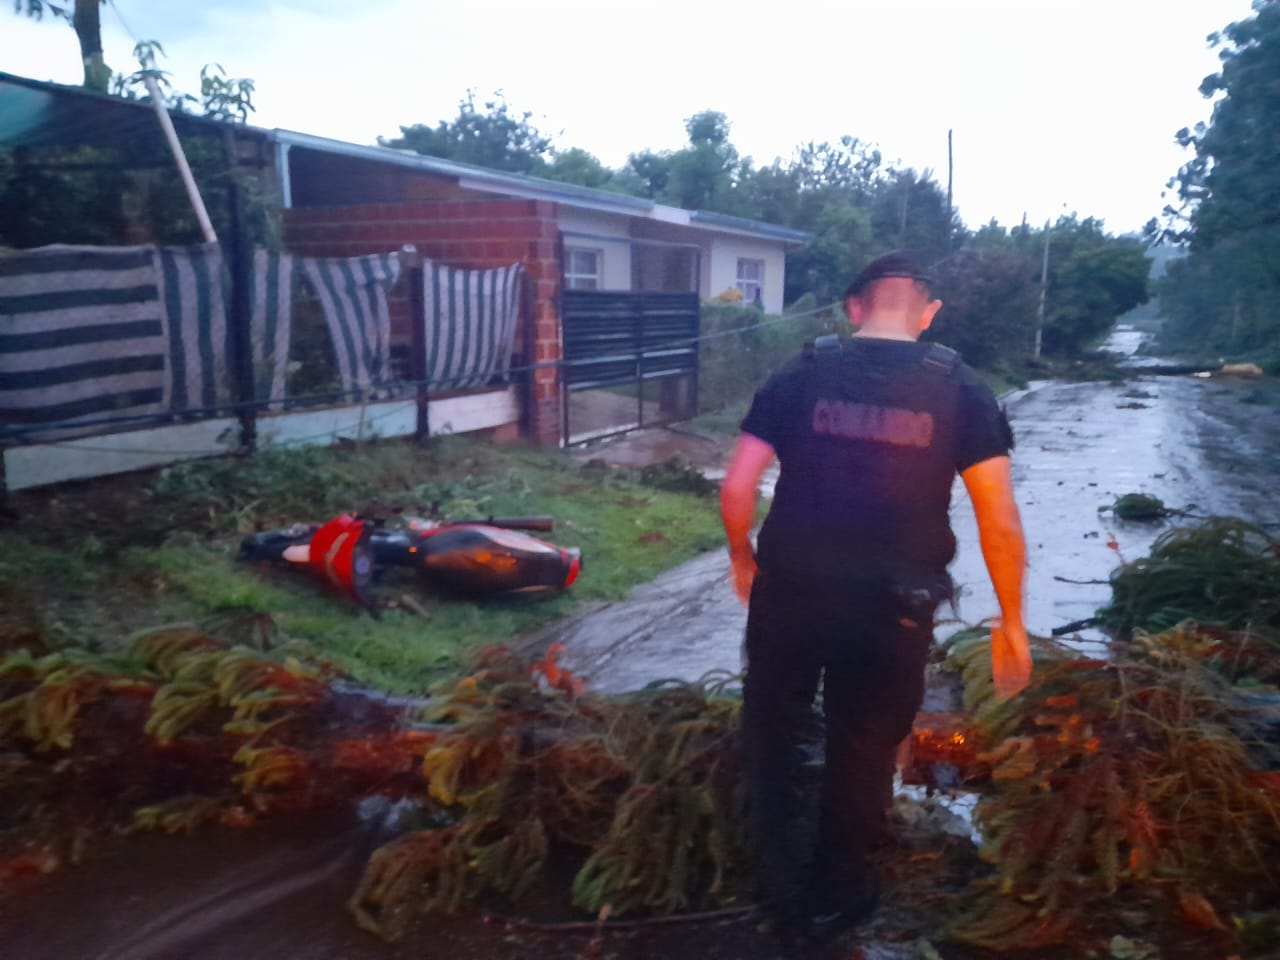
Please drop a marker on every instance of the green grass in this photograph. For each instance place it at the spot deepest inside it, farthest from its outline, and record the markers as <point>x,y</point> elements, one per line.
<point>24,562</point>
<point>204,576</point>
<point>167,551</point>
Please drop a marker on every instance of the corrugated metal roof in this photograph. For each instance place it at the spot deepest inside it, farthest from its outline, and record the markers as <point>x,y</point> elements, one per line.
<point>469,175</point>
<point>538,188</point>
<point>723,221</point>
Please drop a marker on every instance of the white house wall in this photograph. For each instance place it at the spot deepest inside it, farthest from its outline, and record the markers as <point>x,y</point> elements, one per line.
<point>721,271</point>
<point>718,269</point>
<point>617,254</point>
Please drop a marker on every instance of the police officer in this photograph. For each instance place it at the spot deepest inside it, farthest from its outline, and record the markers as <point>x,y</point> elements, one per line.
<point>852,562</point>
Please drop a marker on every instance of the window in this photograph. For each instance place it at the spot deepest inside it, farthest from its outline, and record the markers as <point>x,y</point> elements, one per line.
<point>751,279</point>
<point>583,269</point>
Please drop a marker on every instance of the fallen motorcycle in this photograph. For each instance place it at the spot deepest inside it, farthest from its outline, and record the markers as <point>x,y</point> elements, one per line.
<point>480,557</point>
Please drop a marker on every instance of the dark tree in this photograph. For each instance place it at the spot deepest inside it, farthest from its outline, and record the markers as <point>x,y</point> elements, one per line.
<point>84,17</point>
<point>646,174</point>
<point>1093,279</point>
<point>575,165</point>
<point>487,136</point>
<point>989,293</point>
<point>1226,295</point>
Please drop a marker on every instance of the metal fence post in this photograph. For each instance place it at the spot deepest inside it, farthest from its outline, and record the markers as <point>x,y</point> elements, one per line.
<point>240,314</point>
<point>411,261</point>
<point>637,332</point>
<point>5,510</point>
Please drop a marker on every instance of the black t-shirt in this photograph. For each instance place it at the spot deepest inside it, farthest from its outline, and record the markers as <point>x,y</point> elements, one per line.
<point>870,439</point>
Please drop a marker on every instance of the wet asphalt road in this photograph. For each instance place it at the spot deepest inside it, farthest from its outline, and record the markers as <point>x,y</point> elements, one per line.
<point>1080,446</point>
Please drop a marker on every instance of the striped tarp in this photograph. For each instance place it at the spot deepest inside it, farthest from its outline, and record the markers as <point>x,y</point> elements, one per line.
<point>124,333</point>
<point>271,326</point>
<point>191,281</point>
<point>470,318</point>
<point>82,337</point>
<point>353,295</point>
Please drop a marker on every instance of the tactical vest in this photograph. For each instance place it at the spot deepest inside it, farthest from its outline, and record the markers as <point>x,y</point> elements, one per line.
<point>868,467</point>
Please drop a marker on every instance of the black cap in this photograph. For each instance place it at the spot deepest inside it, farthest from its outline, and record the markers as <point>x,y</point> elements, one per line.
<point>897,264</point>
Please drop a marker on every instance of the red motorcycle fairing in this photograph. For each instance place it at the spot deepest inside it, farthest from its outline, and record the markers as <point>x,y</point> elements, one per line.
<point>340,552</point>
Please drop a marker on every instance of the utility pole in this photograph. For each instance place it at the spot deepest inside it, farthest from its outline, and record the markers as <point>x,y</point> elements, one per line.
<point>1044,285</point>
<point>907,183</point>
<point>950,174</point>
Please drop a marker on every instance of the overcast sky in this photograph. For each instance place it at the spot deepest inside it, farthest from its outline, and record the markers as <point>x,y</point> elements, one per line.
<point>1056,105</point>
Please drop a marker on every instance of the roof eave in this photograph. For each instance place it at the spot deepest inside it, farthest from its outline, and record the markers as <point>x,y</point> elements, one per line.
<point>483,179</point>
<point>473,177</point>
<point>724,223</point>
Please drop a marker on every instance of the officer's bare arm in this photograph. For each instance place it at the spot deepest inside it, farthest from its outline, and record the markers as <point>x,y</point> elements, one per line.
<point>1004,550</point>
<point>999,530</point>
<point>738,493</point>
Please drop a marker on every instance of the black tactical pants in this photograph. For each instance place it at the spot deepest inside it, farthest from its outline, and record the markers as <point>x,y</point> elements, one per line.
<point>869,646</point>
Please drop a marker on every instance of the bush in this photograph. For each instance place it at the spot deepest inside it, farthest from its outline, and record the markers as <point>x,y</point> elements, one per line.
<point>745,346</point>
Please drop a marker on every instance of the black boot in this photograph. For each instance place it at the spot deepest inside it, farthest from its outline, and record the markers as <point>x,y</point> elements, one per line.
<point>841,907</point>
<point>787,923</point>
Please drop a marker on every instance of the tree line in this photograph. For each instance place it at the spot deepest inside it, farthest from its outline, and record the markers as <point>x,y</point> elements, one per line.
<point>855,205</point>
<point>1223,296</point>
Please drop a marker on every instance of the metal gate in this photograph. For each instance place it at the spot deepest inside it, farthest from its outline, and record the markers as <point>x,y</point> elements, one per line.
<point>630,361</point>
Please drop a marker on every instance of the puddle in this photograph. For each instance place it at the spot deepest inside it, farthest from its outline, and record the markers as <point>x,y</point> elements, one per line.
<point>279,892</point>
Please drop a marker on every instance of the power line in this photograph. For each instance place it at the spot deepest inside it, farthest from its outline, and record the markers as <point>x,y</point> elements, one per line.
<point>123,22</point>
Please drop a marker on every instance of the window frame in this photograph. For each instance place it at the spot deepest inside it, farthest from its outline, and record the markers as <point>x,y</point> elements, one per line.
<point>572,278</point>
<point>750,287</point>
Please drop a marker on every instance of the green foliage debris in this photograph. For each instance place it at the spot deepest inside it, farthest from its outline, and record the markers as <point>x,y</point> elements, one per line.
<point>1139,506</point>
<point>1223,571</point>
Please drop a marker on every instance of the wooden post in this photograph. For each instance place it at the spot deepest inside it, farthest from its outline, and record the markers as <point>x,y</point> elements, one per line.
<point>411,263</point>
<point>180,158</point>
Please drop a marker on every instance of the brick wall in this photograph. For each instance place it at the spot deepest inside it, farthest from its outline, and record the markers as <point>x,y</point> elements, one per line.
<point>474,234</point>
